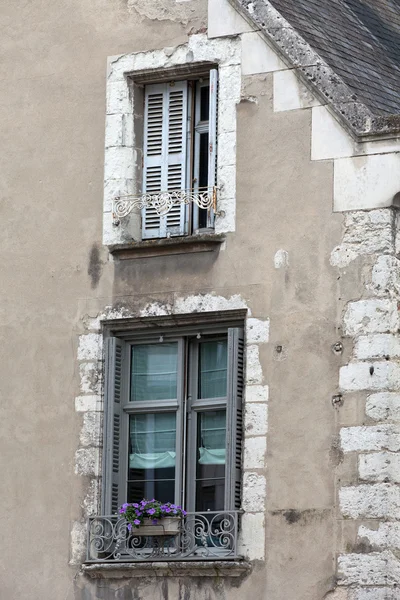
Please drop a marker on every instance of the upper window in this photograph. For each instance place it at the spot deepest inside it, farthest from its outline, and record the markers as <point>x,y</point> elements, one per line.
<point>179,155</point>
<point>174,420</point>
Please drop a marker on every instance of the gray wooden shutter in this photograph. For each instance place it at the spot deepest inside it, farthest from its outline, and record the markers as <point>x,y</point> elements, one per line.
<point>212,134</point>
<point>234,418</point>
<point>164,157</point>
<point>112,475</point>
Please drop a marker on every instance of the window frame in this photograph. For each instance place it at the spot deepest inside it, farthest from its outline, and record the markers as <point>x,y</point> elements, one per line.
<point>185,466</point>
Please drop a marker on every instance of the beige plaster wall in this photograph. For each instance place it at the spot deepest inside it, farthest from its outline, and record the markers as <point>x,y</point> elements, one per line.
<point>54,273</point>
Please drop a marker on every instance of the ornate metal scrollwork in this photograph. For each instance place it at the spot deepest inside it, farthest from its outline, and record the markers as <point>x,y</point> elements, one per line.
<point>162,202</point>
<point>210,535</point>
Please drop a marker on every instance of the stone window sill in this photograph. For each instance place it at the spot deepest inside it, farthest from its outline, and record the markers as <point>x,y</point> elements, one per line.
<point>225,568</point>
<point>204,242</point>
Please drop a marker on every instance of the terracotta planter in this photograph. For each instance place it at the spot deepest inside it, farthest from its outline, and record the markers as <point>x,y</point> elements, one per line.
<point>165,526</point>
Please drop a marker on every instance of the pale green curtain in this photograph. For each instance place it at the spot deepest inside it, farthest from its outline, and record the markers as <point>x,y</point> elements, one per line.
<point>213,369</point>
<point>212,440</point>
<point>154,372</point>
<point>153,441</point>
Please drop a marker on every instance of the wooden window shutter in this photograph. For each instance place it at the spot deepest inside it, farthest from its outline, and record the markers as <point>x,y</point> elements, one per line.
<point>112,475</point>
<point>164,157</point>
<point>234,418</point>
<point>212,135</point>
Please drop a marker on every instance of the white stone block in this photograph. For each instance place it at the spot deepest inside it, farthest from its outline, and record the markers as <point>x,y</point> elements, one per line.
<point>78,543</point>
<point>91,378</point>
<point>256,393</point>
<point>374,501</point>
<point>258,56</point>
<point>114,188</point>
<point>90,347</point>
<point>369,439</point>
<point>380,466</point>
<point>256,419</point>
<point>254,492</point>
<point>224,20</point>
<point>376,568</point>
<point>206,303</point>
<point>366,232</point>
<point>91,501</point>
<point>376,315</point>
<point>226,149</point>
<point>226,183</point>
<point>119,130</point>
<point>114,127</point>
<point>385,278</point>
<point>119,163</point>
<point>225,222</point>
<point>357,376</point>
<point>87,462</point>
<point>386,536</point>
<point>252,537</point>
<point>128,230</point>
<point>91,433</point>
<point>88,403</point>
<point>374,593</point>
<point>384,406</point>
<point>328,139</point>
<point>257,331</point>
<point>229,88</point>
<point>366,182</point>
<point>380,345</point>
<point>253,366</point>
<point>290,93</point>
<point>254,453</point>
<point>118,98</point>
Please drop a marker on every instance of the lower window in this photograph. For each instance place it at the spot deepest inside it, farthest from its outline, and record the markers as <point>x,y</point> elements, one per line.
<point>174,419</point>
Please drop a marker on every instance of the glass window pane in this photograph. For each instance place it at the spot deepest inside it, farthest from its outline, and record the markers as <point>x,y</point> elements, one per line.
<point>213,361</point>
<point>203,175</point>
<point>152,455</point>
<point>210,494</point>
<point>205,103</point>
<point>164,491</point>
<point>210,464</point>
<point>154,372</point>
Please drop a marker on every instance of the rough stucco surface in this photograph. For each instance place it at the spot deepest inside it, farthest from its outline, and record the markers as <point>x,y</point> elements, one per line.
<point>276,264</point>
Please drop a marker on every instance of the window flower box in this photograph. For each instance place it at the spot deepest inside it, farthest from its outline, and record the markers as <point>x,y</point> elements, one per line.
<point>164,526</point>
<point>152,518</point>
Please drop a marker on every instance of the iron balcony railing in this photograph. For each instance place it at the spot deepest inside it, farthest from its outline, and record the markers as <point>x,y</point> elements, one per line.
<point>163,201</point>
<point>201,536</point>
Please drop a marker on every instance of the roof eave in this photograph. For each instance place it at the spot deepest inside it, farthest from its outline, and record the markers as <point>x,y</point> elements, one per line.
<point>315,73</point>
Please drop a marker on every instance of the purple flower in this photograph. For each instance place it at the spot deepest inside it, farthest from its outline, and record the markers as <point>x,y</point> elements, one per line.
<point>151,511</point>
<point>184,513</point>
<point>138,513</point>
<point>137,522</point>
<point>154,521</point>
<point>129,527</point>
<point>168,510</point>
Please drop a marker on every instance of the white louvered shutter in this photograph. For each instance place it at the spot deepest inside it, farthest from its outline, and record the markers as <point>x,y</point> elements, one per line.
<point>164,160</point>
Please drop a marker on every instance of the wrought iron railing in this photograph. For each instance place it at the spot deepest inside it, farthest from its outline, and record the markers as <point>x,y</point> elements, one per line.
<point>201,536</point>
<point>162,202</point>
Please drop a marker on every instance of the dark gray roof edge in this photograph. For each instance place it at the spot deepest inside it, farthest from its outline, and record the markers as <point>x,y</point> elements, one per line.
<point>315,73</point>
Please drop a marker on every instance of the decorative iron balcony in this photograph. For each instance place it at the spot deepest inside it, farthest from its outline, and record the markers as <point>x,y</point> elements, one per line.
<point>162,202</point>
<point>201,536</point>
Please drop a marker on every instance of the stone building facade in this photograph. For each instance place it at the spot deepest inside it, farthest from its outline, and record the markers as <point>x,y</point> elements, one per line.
<point>300,252</point>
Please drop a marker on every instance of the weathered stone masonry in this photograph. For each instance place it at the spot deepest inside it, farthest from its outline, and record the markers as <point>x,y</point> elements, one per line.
<point>369,500</point>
